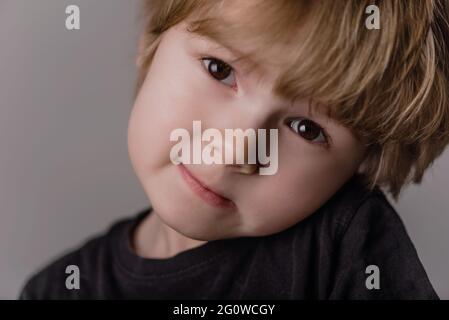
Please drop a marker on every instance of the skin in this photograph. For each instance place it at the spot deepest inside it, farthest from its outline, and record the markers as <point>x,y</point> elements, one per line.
<point>179,89</point>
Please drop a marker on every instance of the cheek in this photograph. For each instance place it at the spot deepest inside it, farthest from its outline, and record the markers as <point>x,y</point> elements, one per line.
<point>171,97</point>
<point>148,133</point>
<point>300,187</point>
<point>155,111</point>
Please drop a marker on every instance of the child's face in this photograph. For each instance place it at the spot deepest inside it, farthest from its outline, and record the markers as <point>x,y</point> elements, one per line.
<point>179,89</point>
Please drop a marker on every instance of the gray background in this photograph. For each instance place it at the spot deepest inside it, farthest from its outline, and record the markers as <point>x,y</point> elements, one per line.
<point>65,98</point>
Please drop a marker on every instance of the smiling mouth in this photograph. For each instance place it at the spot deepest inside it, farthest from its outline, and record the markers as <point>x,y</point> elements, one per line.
<point>203,191</point>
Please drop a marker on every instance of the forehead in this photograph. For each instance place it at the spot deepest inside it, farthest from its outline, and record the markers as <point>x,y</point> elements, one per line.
<point>238,58</point>
<point>264,36</point>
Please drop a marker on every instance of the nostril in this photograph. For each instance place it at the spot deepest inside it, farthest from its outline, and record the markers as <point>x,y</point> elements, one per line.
<point>246,168</point>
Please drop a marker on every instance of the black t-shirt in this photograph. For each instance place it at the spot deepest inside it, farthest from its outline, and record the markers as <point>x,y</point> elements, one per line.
<point>329,255</point>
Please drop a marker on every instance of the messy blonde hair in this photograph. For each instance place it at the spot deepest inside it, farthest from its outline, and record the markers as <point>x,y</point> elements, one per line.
<point>389,86</point>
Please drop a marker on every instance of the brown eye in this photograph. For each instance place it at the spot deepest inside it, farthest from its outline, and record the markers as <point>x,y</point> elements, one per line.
<point>309,130</point>
<point>220,70</point>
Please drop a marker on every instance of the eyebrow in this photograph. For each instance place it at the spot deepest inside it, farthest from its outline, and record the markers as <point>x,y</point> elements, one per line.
<point>240,57</point>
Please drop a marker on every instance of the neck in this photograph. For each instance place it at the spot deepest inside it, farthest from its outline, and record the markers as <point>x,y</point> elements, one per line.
<point>155,239</point>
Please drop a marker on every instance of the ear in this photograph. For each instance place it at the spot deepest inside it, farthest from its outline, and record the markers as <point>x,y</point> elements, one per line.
<point>140,51</point>
<point>364,162</point>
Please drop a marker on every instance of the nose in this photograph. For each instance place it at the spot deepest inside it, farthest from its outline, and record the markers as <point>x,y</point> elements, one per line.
<point>243,150</point>
<point>240,148</point>
<point>246,126</point>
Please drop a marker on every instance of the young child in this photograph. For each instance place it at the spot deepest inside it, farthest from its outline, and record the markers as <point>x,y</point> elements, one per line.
<point>356,109</point>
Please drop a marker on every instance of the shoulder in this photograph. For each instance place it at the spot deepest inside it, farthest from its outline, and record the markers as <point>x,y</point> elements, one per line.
<point>356,207</point>
<point>89,258</point>
<point>334,217</point>
<point>373,224</point>
<point>356,231</point>
<point>374,237</point>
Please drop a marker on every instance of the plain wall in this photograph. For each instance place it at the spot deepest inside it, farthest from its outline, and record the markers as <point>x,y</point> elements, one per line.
<point>65,175</point>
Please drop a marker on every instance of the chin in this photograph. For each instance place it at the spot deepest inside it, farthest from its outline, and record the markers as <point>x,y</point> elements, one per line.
<point>184,219</point>
<point>195,232</point>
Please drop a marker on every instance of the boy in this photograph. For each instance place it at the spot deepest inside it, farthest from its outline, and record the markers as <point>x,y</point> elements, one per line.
<point>355,110</point>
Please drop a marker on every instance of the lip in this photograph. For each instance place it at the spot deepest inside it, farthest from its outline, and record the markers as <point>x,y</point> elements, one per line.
<point>203,191</point>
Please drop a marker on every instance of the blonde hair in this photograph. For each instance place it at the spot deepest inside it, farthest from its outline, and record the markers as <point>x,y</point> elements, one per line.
<point>388,86</point>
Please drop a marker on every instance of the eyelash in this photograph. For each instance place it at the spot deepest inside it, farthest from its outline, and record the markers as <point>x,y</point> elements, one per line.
<point>325,143</point>
<point>227,65</point>
<point>327,140</point>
